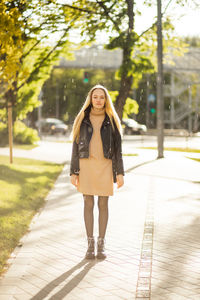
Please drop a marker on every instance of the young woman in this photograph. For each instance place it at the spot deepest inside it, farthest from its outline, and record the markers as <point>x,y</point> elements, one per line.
<point>96,161</point>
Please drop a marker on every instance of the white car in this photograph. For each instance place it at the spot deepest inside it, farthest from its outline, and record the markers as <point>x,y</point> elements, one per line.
<point>131,126</point>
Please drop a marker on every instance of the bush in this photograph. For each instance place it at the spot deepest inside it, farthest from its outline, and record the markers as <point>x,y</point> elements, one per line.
<point>23,134</point>
<point>3,134</point>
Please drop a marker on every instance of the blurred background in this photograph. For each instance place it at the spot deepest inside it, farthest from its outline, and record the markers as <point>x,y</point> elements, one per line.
<point>53,52</point>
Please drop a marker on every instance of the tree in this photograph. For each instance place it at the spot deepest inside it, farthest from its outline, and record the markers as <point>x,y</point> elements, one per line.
<point>31,25</point>
<point>11,47</point>
<point>117,19</point>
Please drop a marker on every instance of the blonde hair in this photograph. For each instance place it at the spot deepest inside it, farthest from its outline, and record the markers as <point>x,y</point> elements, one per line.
<point>109,108</point>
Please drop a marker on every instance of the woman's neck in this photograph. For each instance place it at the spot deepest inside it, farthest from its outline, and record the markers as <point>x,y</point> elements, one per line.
<point>97,111</point>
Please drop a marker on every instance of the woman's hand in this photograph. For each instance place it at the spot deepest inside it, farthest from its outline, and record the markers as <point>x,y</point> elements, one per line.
<point>74,180</point>
<point>120,180</point>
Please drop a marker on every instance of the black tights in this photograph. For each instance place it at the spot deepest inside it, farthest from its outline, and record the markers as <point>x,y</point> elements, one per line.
<point>89,217</point>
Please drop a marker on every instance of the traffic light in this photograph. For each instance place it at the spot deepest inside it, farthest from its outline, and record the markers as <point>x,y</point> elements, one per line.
<point>152,103</point>
<point>153,110</point>
<point>86,77</point>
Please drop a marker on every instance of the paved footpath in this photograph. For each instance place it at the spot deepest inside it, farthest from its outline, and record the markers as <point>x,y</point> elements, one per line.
<point>152,242</point>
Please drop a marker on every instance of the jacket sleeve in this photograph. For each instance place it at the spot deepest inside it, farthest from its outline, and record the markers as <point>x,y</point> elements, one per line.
<point>119,166</point>
<point>74,166</point>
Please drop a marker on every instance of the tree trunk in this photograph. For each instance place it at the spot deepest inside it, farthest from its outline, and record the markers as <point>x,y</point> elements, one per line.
<point>125,87</point>
<point>11,97</point>
<point>126,81</point>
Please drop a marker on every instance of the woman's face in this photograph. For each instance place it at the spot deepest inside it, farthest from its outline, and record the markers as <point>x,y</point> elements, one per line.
<point>98,98</point>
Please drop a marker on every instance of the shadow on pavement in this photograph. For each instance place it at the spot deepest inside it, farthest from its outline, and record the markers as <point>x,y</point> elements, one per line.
<point>139,165</point>
<point>66,289</point>
<point>159,175</point>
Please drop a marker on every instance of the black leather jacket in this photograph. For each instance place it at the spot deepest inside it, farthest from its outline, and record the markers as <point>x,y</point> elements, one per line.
<point>111,140</point>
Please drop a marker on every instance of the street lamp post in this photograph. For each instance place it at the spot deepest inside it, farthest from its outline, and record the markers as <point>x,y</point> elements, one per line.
<point>160,103</point>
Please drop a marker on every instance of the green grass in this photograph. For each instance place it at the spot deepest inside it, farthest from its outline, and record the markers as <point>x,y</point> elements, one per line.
<point>174,149</point>
<point>23,188</point>
<point>196,159</point>
<point>130,154</point>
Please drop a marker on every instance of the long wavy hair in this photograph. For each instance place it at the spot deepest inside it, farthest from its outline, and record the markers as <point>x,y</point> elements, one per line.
<point>109,108</point>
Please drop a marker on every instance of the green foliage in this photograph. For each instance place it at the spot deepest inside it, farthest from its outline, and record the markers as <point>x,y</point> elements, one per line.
<point>131,106</point>
<point>136,67</point>
<point>92,16</point>
<point>30,49</point>
<point>113,95</point>
<point>3,114</point>
<point>3,134</point>
<point>121,40</point>
<point>29,92</point>
<point>23,134</point>
<point>2,126</point>
<point>116,19</point>
<point>11,44</point>
<point>33,54</point>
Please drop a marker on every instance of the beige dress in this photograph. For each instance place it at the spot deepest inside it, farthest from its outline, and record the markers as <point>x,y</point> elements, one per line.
<point>95,176</point>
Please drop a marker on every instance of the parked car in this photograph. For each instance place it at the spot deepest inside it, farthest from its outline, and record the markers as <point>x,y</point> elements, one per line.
<point>52,126</point>
<point>131,126</point>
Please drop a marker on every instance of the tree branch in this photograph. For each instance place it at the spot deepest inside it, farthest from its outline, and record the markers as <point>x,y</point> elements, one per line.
<point>78,8</point>
<point>101,4</point>
<point>43,60</point>
<point>29,51</point>
<point>113,5</point>
<point>35,45</point>
<point>151,27</point>
<point>166,7</point>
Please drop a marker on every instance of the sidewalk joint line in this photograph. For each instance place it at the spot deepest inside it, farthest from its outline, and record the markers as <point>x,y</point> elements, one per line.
<point>143,289</point>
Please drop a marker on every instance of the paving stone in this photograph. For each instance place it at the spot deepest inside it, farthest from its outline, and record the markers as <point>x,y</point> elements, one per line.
<point>121,293</point>
<point>153,252</point>
<point>181,290</point>
<point>7,289</point>
<point>194,297</point>
<point>6,297</point>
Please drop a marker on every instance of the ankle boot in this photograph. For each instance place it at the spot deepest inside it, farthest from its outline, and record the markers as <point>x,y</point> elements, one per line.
<point>101,248</point>
<point>90,251</point>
